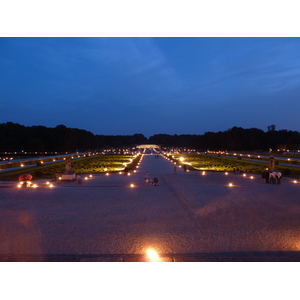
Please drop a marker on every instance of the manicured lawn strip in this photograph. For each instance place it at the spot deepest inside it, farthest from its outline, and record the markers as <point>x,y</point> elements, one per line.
<point>215,163</point>
<point>14,174</point>
<point>284,161</point>
<point>33,161</point>
<point>91,164</point>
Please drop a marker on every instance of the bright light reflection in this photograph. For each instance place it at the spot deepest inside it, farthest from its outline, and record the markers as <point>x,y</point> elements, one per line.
<point>152,255</point>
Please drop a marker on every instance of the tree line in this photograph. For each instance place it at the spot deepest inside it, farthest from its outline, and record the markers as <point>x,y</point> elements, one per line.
<point>16,137</point>
<point>235,138</point>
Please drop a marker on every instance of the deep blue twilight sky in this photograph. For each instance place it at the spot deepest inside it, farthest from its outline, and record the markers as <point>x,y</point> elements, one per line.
<point>123,86</point>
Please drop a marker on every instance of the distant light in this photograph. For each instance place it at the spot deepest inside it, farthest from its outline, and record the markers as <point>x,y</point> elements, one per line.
<point>226,173</point>
<point>132,185</point>
<point>251,177</point>
<point>244,175</point>
<point>107,174</point>
<point>295,181</point>
<point>230,184</point>
<point>51,185</point>
<point>35,186</point>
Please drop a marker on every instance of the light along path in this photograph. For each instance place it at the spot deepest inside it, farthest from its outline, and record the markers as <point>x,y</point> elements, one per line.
<point>244,157</point>
<point>55,159</point>
<point>186,215</point>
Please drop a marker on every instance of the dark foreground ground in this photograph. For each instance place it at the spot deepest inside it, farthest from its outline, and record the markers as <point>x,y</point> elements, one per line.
<point>187,217</point>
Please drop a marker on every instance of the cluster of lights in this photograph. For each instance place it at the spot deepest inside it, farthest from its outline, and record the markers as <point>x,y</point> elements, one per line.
<point>29,184</point>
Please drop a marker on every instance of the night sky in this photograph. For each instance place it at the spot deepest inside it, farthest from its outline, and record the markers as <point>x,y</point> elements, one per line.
<point>123,86</point>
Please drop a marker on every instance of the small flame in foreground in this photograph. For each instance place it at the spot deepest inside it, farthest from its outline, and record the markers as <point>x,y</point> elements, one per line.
<point>152,255</point>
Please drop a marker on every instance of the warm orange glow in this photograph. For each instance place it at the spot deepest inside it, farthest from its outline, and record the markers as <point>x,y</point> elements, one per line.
<point>132,185</point>
<point>226,173</point>
<point>295,181</point>
<point>244,175</point>
<point>19,185</point>
<point>51,185</point>
<point>152,255</point>
<point>107,174</point>
<point>230,184</point>
<point>35,186</point>
<point>251,177</point>
<point>86,178</point>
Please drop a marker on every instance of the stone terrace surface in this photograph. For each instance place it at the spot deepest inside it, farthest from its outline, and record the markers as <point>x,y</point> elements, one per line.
<point>187,217</point>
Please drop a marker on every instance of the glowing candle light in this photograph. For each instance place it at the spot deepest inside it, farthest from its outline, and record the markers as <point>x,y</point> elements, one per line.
<point>152,255</point>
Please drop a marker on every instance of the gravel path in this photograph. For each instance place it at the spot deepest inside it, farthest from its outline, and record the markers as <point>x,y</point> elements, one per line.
<point>186,213</point>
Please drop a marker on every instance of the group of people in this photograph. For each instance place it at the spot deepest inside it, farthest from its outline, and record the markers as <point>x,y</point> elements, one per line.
<point>150,181</point>
<point>237,170</point>
<point>269,176</point>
